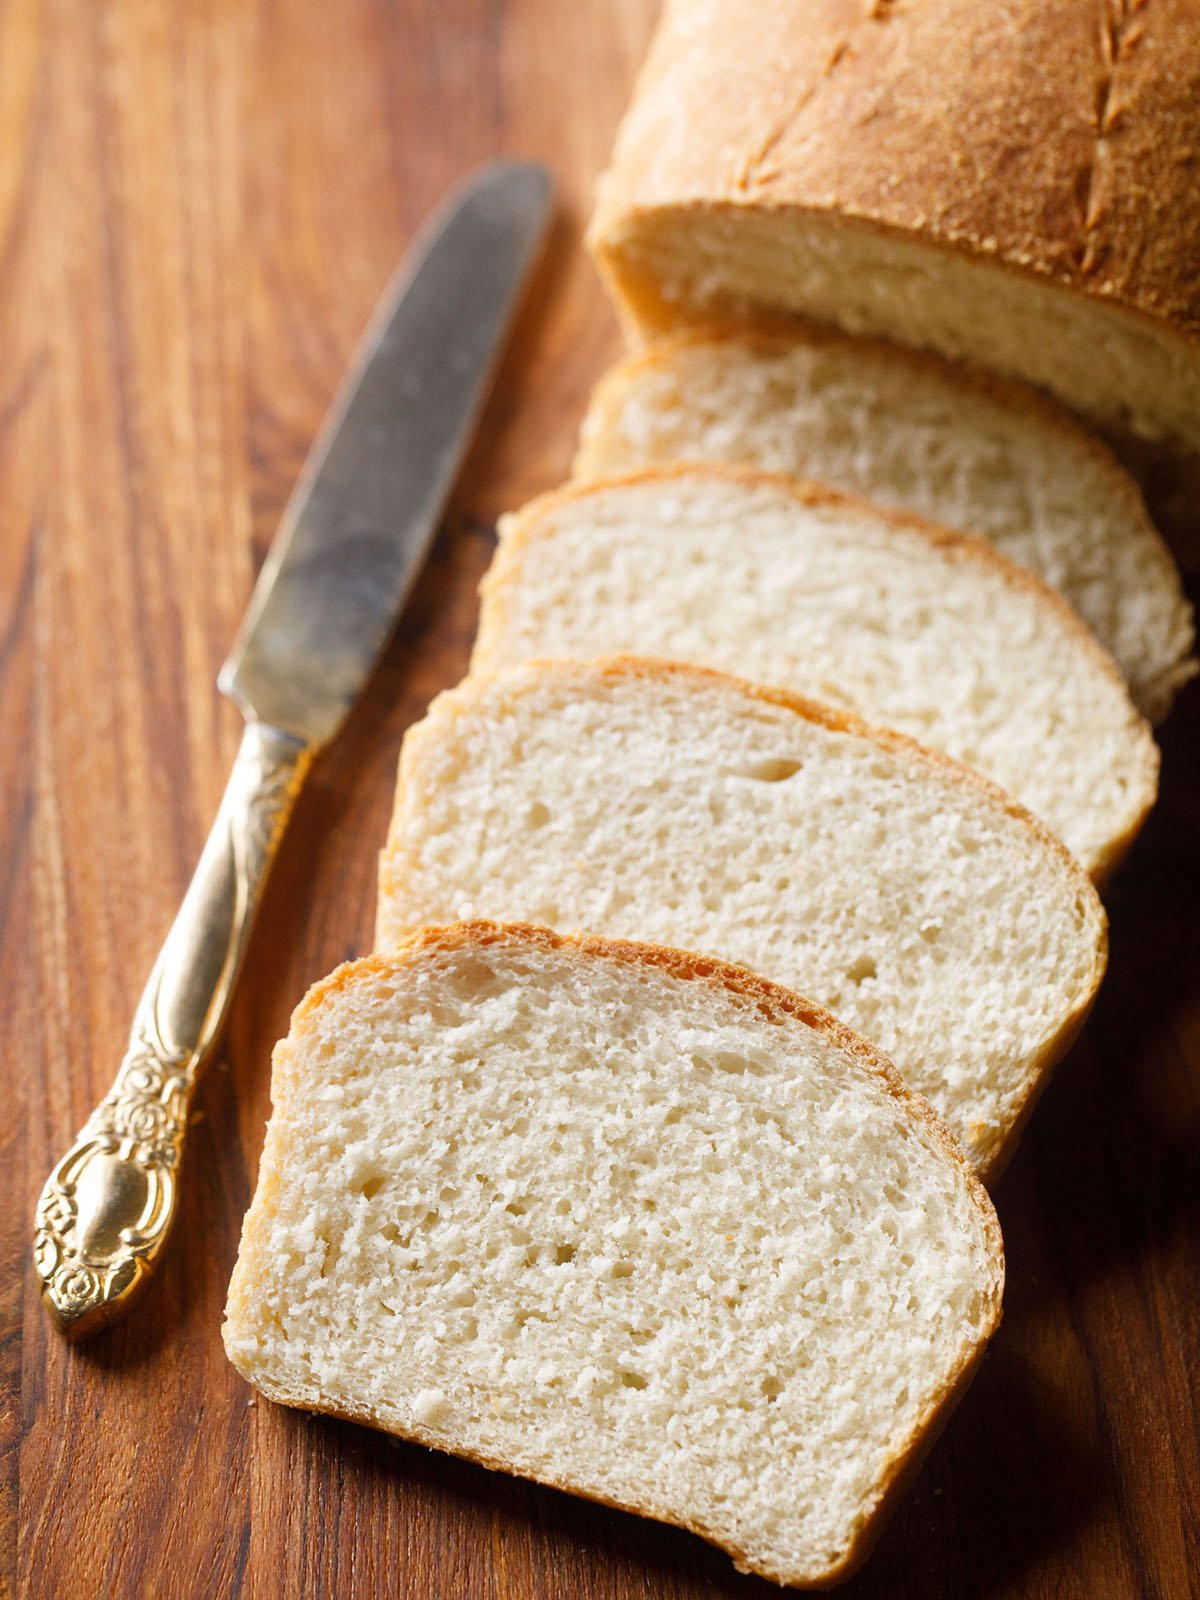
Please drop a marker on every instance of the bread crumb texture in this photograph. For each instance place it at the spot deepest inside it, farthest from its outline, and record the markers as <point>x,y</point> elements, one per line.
<point>919,435</point>
<point>656,801</point>
<point>622,1221</point>
<point>908,625</point>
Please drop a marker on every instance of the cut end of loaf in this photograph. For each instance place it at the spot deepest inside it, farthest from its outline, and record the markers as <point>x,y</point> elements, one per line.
<point>627,1221</point>
<point>670,267</point>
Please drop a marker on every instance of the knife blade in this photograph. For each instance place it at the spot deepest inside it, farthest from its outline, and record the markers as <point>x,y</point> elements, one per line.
<point>364,511</point>
<point>352,539</point>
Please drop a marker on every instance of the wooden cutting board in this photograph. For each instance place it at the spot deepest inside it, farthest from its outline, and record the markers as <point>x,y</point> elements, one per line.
<point>199,202</point>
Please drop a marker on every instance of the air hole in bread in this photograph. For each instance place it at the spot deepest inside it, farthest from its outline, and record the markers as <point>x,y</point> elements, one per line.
<point>773,769</point>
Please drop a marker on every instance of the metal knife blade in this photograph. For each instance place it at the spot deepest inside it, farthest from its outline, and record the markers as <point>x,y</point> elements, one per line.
<point>362,516</point>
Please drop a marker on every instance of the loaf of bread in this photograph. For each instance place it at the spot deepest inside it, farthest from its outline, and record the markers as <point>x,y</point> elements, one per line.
<point>910,626</point>
<point>916,434</point>
<point>659,801</point>
<point>633,1224</point>
<point>1017,184</point>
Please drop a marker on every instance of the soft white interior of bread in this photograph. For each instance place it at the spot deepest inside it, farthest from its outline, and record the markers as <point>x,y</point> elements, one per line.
<point>914,435</point>
<point>832,601</point>
<point>618,1230</point>
<point>1105,362</point>
<point>683,808</point>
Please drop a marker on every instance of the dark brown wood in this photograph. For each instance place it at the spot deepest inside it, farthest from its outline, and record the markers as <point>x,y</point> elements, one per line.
<point>199,201</point>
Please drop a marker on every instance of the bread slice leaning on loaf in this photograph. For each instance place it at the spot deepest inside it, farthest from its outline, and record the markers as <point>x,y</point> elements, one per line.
<point>916,434</point>
<point>633,1224</point>
<point>653,800</point>
<point>1014,185</point>
<point>910,626</point>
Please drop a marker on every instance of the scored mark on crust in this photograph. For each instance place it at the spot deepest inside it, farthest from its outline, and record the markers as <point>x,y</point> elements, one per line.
<point>1121,29</point>
<point>754,168</point>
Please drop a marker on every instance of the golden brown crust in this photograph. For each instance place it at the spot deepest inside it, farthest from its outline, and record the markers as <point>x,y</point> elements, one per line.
<point>1057,141</point>
<point>534,520</point>
<point>771,1000</point>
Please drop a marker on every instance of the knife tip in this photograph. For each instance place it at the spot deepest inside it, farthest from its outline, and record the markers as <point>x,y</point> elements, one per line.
<point>522,180</point>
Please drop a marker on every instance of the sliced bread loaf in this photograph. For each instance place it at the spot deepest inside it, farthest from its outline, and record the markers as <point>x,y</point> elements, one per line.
<point>630,1223</point>
<point>920,435</point>
<point>911,626</point>
<point>1013,184</point>
<point>654,800</point>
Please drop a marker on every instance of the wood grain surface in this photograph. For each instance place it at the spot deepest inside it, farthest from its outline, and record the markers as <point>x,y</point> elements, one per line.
<point>199,202</point>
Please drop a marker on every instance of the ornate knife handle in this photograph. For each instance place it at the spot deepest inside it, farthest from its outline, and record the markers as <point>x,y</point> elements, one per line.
<point>107,1207</point>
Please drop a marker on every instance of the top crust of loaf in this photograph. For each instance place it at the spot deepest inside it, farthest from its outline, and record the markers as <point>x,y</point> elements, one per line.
<point>770,1000</point>
<point>1057,140</point>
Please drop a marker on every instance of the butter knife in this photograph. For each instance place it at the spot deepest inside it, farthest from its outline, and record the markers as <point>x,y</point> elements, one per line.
<point>353,537</point>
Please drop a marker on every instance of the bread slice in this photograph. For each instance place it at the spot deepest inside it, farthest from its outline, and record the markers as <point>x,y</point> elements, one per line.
<point>910,626</point>
<point>660,801</point>
<point>919,435</point>
<point>633,1224</point>
<point>1014,185</point>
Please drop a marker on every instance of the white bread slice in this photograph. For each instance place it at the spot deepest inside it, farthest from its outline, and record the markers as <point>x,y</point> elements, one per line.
<point>918,435</point>
<point>633,1224</point>
<point>1010,184</point>
<point>910,626</point>
<point>659,801</point>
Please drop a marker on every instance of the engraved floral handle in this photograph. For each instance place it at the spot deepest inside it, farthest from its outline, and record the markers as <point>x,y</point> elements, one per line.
<point>107,1207</point>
